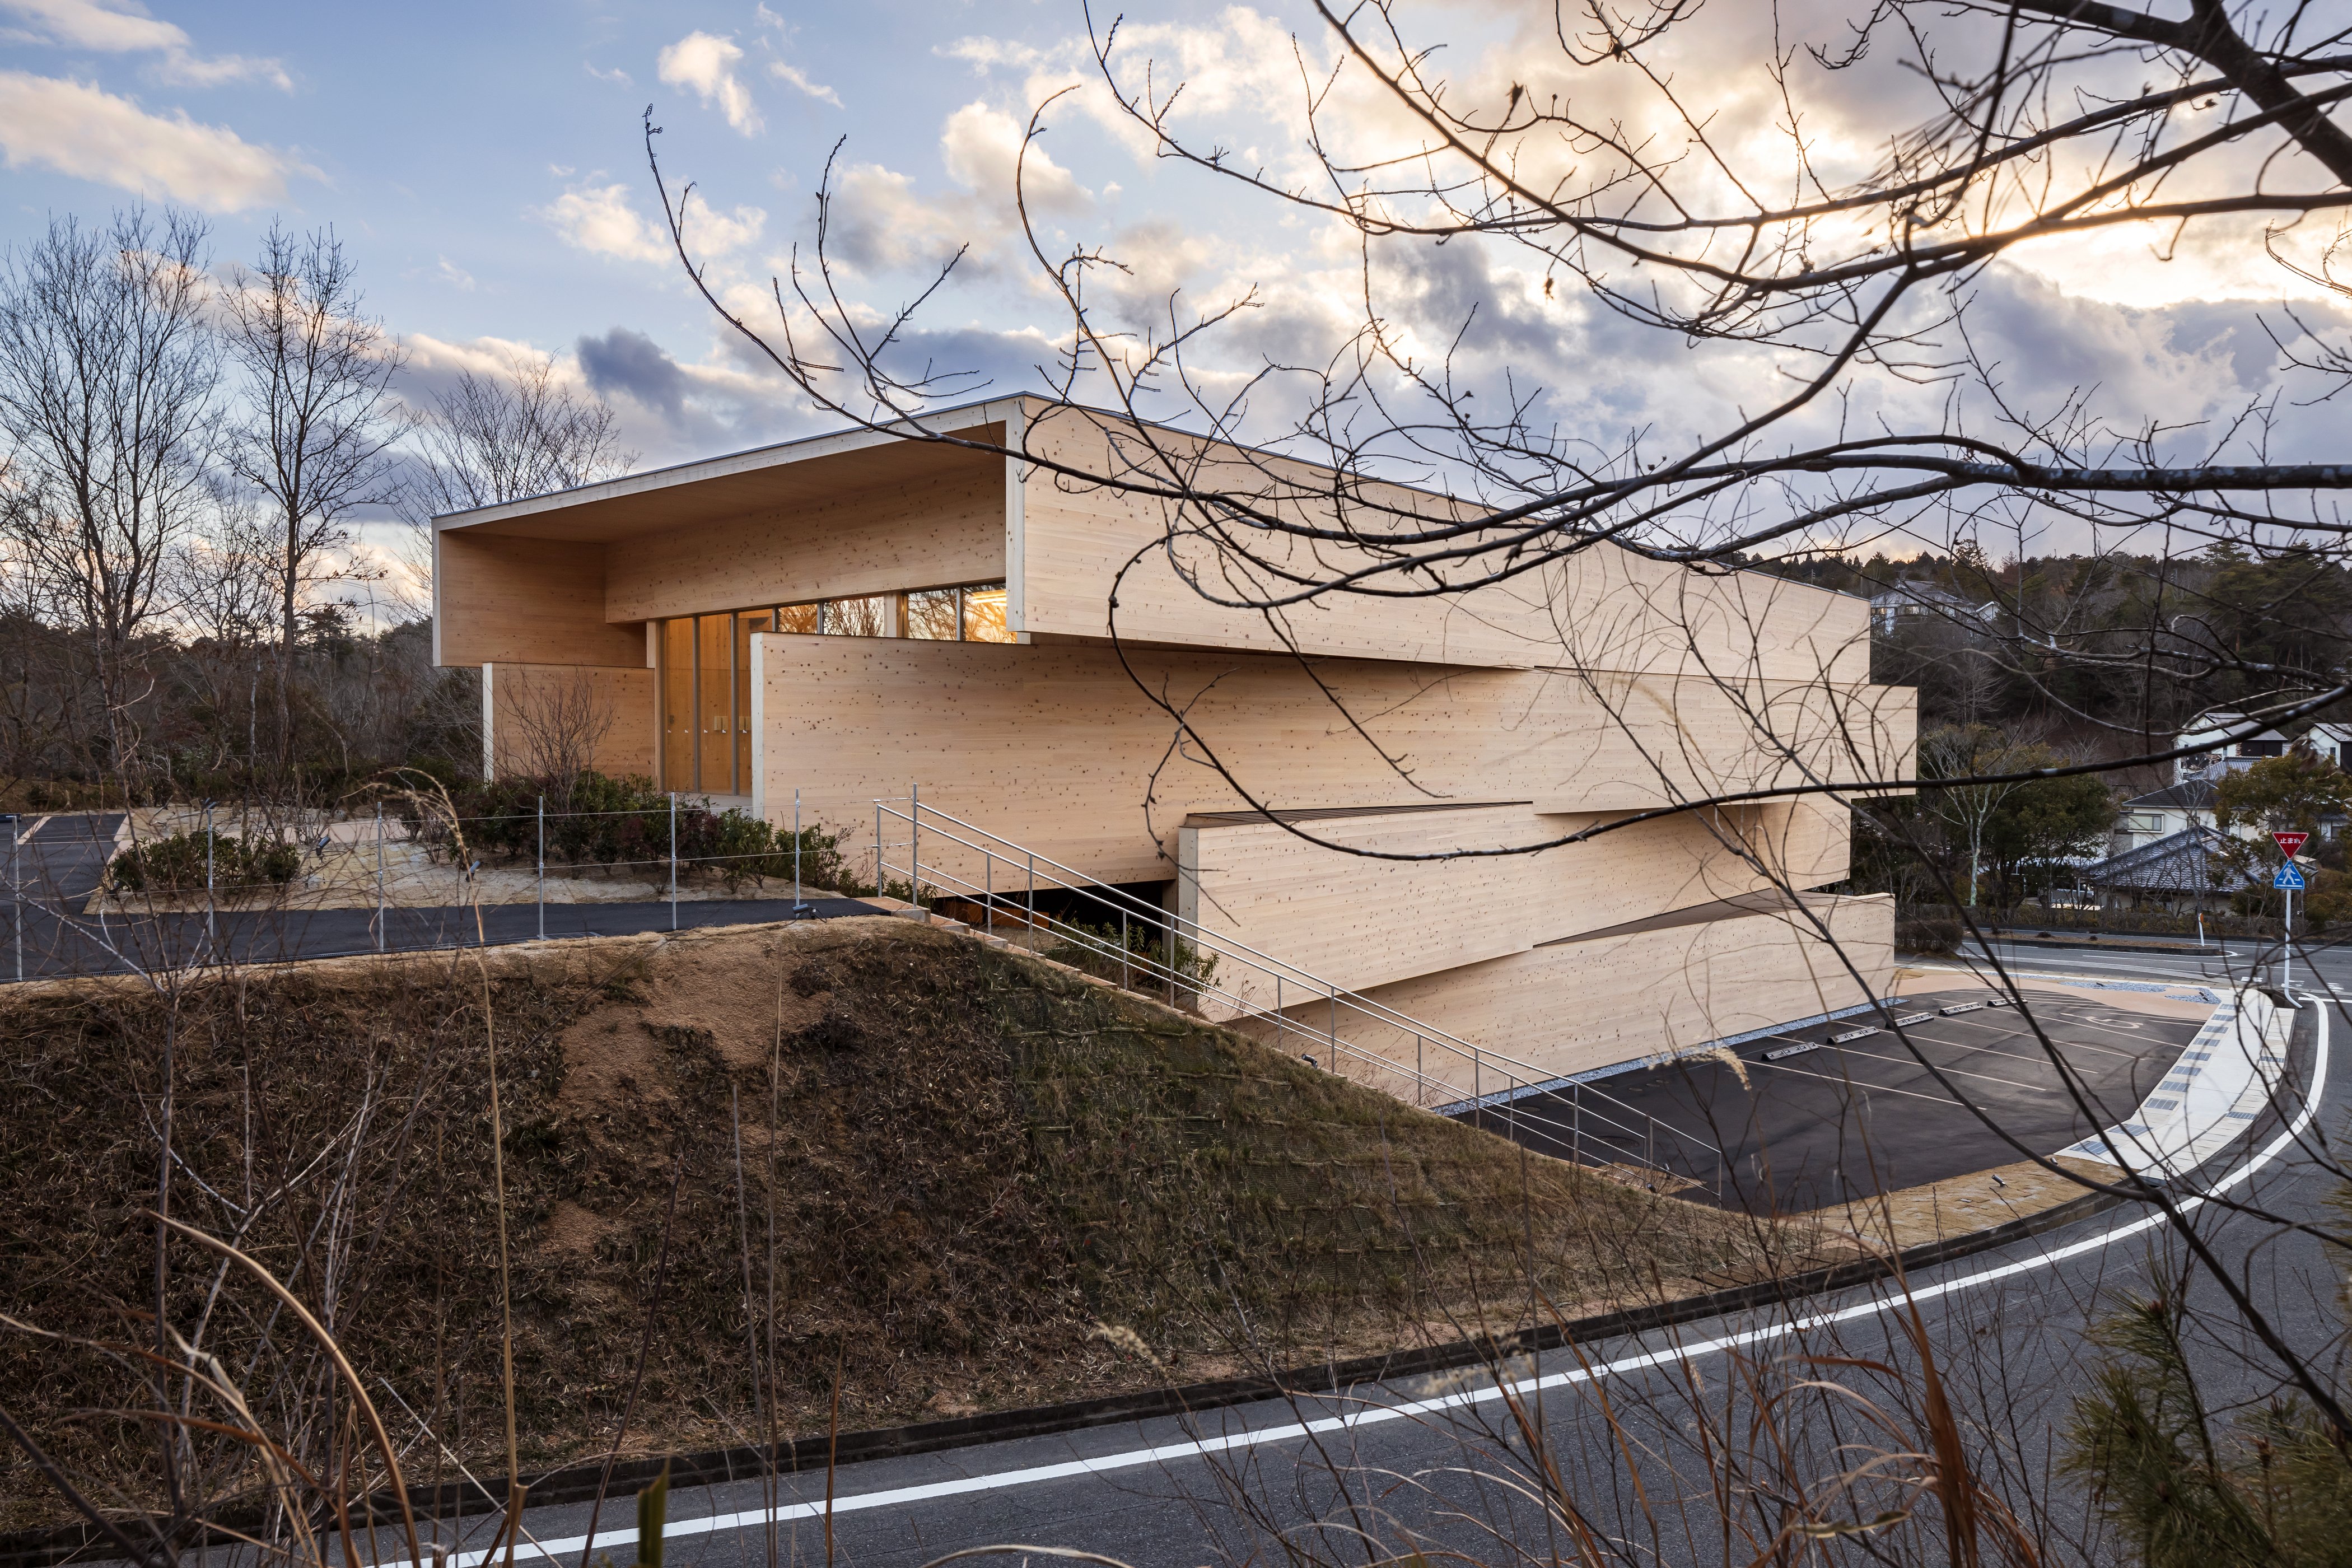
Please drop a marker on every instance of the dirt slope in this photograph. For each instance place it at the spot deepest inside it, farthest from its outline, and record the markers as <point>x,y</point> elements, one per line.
<point>933,1171</point>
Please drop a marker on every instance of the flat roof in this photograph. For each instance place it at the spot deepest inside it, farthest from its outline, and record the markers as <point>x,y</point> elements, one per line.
<point>818,468</point>
<point>812,469</point>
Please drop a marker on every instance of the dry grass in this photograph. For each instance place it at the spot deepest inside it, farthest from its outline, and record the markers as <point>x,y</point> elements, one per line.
<point>957,1165</point>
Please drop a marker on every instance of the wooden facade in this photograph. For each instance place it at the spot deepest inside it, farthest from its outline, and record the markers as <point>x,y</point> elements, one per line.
<point>1564,700</point>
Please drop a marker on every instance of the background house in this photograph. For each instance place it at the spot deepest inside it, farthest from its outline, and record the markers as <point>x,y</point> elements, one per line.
<point>1907,599</point>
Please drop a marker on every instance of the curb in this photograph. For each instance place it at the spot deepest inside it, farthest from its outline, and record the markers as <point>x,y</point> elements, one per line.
<point>2181,950</point>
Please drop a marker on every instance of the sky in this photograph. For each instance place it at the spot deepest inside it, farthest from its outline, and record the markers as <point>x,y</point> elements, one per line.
<point>485,168</point>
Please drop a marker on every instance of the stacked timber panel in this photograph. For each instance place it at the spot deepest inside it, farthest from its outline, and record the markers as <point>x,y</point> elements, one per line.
<point>1325,894</point>
<point>1086,543</point>
<point>936,528</point>
<point>1546,1014</point>
<point>1077,751</point>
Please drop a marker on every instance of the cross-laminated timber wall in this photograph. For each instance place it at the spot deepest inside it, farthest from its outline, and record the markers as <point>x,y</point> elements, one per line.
<point>1057,747</point>
<point>1359,921</point>
<point>1575,1005</point>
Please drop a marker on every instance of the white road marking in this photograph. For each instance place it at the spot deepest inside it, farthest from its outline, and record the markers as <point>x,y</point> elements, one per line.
<point>1202,1448</point>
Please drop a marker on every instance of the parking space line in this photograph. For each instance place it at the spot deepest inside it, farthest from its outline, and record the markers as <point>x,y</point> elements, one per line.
<point>1956,1072</point>
<point>1856,1083</point>
<point>2036,1056</point>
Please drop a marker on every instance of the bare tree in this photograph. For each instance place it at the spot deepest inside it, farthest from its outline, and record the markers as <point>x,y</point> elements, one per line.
<point>226,594</point>
<point>489,439</point>
<point>108,374</point>
<point>322,416</point>
<point>2037,122</point>
<point>560,720</point>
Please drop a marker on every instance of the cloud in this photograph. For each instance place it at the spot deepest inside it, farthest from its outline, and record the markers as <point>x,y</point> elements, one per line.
<point>982,148</point>
<point>121,28</point>
<point>92,134</point>
<point>603,220</point>
<point>706,62</point>
<point>799,79</point>
<point>631,364</point>
<point>616,76</point>
<point>456,276</point>
<point>600,219</point>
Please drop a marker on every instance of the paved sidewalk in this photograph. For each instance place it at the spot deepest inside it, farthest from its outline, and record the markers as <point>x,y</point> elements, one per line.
<point>114,944</point>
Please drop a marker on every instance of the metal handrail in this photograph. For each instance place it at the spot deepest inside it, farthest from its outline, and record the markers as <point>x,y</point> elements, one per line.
<point>1169,975</point>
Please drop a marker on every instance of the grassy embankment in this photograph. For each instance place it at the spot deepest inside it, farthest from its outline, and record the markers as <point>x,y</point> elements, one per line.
<point>929,1171</point>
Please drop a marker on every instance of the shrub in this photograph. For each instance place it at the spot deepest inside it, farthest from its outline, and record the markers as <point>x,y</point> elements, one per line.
<point>1926,933</point>
<point>176,864</point>
<point>595,820</point>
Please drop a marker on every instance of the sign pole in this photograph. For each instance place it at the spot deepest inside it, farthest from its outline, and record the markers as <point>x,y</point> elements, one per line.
<point>2287,882</point>
<point>2286,948</point>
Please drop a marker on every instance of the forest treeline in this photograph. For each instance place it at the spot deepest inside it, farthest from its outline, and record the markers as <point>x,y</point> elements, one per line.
<point>189,452</point>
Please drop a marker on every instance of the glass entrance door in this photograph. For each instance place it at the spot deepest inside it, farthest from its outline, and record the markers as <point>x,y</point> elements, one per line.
<point>706,700</point>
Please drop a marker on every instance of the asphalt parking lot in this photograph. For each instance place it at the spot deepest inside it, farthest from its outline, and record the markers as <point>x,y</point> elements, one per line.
<point>1833,1111</point>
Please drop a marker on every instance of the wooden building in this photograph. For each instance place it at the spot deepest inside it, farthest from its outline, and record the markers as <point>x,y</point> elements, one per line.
<point>850,615</point>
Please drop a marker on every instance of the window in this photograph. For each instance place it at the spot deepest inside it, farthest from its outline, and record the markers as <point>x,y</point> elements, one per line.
<point>867,617</point>
<point>932,614</point>
<point>800,618</point>
<point>983,614</point>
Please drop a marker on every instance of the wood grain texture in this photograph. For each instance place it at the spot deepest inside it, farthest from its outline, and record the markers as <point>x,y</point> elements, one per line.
<point>526,601</point>
<point>1554,1011</point>
<point>1604,608</point>
<point>1056,748</point>
<point>926,532</point>
<point>518,698</point>
<point>1359,923</point>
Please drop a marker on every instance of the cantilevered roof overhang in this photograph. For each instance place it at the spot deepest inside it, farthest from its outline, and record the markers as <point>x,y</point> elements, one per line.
<point>792,473</point>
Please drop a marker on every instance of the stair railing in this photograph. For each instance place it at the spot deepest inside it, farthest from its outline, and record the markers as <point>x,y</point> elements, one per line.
<point>1180,960</point>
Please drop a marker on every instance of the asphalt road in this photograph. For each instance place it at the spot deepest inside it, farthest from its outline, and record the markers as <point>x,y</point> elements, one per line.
<point>60,866</point>
<point>1817,1116</point>
<point>1436,1463</point>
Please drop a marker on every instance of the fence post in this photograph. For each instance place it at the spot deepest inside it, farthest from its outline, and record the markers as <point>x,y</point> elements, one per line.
<point>16,894</point>
<point>673,860</point>
<point>987,889</point>
<point>1335,1028</point>
<point>1032,890</point>
<point>800,905</point>
<point>914,849</point>
<point>1123,949</point>
<point>542,868</point>
<point>211,936</point>
<point>380,916</point>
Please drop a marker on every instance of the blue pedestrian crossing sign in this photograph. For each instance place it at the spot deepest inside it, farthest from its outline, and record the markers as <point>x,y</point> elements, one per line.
<point>2288,877</point>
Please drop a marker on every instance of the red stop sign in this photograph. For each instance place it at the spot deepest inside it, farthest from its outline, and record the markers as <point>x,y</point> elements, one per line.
<point>2291,844</point>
